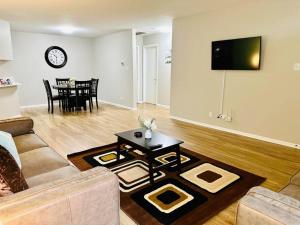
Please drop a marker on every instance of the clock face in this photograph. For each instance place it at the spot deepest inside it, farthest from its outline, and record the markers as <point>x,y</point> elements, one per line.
<point>56,57</point>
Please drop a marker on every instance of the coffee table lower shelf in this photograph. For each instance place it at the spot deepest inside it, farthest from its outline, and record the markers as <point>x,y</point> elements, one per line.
<point>152,154</point>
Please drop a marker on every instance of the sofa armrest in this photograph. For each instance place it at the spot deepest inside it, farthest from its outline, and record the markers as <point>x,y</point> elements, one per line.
<point>17,126</point>
<point>263,206</point>
<point>91,197</point>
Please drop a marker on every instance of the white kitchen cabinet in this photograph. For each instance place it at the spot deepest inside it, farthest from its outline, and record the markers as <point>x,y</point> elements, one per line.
<point>6,52</point>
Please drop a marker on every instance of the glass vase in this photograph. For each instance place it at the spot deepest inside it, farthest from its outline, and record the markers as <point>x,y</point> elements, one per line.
<point>148,134</point>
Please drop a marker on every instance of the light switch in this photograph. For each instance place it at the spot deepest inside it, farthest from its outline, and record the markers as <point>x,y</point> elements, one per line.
<point>296,66</point>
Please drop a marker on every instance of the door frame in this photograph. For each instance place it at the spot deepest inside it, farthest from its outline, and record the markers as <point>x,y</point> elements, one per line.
<point>144,72</point>
<point>139,75</point>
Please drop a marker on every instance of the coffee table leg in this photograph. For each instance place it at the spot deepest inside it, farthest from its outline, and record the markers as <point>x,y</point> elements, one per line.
<point>118,150</point>
<point>150,162</point>
<point>178,158</point>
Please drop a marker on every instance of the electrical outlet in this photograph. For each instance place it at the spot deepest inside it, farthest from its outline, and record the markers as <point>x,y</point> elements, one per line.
<point>297,146</point>
<point>210,114</point>
<point>224,117</point>
<point>228,119</point>
<point>296,66</point>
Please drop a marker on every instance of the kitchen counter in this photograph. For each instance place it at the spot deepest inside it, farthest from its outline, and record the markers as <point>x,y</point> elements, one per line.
<point>11,85</point>
<point>9,101</point>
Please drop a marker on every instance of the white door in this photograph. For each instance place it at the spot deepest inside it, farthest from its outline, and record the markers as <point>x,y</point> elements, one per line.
<point>150,74</point>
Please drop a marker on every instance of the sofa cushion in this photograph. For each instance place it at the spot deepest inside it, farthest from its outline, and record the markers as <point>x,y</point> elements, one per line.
<point>263,206</point>
<point>11,177</point>
<point>41,160</point>
<point>54,175</point>
<point>28,142</point>
<point>292,191</point>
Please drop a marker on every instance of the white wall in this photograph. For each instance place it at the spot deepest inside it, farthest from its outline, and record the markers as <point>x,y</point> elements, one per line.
<point>264,102</point>
<point>164,42</point>
<point>114,59</point>
<point>29,66</point>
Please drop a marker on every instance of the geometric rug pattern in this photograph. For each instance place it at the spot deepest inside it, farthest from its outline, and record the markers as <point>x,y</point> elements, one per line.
<point>210,177</point>
<point>171,157</point>
<point>107,158</point>
<point>169,199</point>
<point>134,174</point>
<point>202,189</point>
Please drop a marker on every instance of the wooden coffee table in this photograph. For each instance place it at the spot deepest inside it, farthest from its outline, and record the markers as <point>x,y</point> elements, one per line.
<point>169,144</point>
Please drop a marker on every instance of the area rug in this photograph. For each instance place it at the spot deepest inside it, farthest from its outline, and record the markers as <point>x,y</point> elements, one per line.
<point>202,189</point>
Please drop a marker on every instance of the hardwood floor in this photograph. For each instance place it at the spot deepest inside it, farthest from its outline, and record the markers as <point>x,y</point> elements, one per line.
<point>72,132</point>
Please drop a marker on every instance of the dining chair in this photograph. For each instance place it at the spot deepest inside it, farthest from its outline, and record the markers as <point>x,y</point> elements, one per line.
<point>83,93</point>
<point>94,91</point>
<point>60,81</point>
<point>65,94</point>
<point>50,97</point>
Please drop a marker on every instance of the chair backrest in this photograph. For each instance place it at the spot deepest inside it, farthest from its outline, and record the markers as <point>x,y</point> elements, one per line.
<point>60,81</point>
<point>83,87</point>
<point>48,88</point>
<point>94,88</point>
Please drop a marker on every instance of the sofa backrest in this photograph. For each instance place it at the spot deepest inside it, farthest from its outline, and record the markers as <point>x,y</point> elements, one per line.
<point>17,126</point>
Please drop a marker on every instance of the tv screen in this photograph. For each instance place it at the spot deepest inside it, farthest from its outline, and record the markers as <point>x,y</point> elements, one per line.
<point>236,54</point>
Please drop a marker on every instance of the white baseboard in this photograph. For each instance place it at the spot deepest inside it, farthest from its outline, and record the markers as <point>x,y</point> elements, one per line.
<point>33,106</point>
<point>56,103</point>
<point>118,105</point>
<point>161,105</point>
<point>258,137</point>
<point>164,106</point>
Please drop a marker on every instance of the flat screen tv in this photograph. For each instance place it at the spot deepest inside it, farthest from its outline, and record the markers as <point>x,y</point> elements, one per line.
<point>236,54</point>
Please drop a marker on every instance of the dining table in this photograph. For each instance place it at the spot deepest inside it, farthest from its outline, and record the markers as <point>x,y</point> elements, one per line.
<point>72,96</point>
<point>68,87</point>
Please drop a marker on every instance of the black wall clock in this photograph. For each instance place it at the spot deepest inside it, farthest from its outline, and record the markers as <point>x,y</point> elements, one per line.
<point>56,57</point>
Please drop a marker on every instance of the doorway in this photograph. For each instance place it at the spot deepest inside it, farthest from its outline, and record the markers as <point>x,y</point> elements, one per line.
<point>150,73</point>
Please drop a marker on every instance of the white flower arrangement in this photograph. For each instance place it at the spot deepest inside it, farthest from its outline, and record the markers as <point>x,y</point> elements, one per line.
<point>149,124</point>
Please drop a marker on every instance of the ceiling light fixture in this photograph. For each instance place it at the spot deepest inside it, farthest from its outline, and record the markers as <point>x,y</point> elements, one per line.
<point>67,29</point>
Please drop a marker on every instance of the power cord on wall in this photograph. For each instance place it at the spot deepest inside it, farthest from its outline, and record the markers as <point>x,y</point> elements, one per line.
<point>223,93</point>
<point>226,117</point>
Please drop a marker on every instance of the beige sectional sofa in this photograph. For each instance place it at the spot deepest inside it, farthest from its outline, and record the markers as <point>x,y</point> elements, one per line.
<point>263,206</point>
<point>58,192</point>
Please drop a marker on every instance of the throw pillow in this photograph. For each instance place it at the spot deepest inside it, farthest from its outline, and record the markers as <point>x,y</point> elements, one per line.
<point>11,177</point>
<point>8,143</point>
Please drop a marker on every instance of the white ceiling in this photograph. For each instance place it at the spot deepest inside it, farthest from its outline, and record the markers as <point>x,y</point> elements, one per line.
<point>96,17</point>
